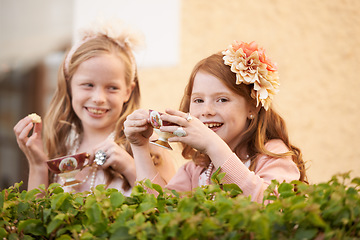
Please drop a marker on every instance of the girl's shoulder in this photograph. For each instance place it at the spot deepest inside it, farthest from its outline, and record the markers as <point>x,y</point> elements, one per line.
<point>276,146</point>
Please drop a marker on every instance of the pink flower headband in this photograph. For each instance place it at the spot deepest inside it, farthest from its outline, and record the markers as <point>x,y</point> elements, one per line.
<point>252,66</point>
<point>125,37</point>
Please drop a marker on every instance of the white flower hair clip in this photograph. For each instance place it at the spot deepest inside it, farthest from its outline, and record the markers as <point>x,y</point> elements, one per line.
<point>125,36</point>
<point>117,30</point>
<point>252,66</point>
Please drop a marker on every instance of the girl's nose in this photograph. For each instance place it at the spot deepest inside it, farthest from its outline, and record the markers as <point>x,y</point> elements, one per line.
<point>208,109</point>
<point>99,96</point>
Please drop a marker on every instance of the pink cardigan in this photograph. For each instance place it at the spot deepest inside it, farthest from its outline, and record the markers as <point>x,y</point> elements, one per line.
<point>251,183</point>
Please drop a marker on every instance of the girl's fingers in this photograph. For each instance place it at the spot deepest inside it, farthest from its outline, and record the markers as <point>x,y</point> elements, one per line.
<point>21,125</point>
<point>169,129</point>
<point>175,112</point>
<point>25,132</point>
<point>38,127</point>
<point>138,114</point>
<point>31,139</point>
<point>138,123</point>
<point>178,119</point>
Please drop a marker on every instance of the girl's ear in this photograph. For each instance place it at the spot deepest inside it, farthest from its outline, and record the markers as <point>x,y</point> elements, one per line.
<point>253,111</point>
<point>130,90</point>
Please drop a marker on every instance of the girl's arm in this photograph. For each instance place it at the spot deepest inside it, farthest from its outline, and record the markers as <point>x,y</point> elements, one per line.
<point>138,131</point>
<point>32,147</point>
<point>268,168</point>
<point>163,161</point>
<point>207,141</point>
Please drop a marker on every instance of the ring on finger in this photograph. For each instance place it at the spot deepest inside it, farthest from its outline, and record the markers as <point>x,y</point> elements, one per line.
<point>180,132</point>
<point>189,117</point>
<point>100,157</point>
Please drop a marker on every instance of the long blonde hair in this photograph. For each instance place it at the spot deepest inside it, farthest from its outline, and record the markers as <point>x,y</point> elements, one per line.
<point>265,125</point>
<point>61,118</point>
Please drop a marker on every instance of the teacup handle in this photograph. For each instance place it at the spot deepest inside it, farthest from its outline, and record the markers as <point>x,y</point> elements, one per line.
<point>87,160</point>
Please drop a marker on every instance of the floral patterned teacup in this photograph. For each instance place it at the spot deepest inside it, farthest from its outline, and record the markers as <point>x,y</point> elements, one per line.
<point>68,166</point>
<point>156,122</point>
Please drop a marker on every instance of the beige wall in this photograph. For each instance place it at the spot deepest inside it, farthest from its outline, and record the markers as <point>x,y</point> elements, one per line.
<point>316,46</point>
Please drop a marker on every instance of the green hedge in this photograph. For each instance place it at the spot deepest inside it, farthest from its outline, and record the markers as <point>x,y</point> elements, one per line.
<point>328,210</point>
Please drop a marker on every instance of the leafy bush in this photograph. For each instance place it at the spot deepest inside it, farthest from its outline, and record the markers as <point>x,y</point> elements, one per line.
<point>328,210</point>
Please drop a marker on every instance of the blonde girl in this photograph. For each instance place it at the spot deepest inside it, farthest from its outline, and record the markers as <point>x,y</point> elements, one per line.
<point>225,121</point>
<point>97,89</point>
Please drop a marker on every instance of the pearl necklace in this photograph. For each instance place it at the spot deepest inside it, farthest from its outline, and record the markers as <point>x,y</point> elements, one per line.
<point>208,173</point>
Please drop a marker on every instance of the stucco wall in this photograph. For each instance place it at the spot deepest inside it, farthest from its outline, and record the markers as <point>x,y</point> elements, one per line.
<point>316,47</point>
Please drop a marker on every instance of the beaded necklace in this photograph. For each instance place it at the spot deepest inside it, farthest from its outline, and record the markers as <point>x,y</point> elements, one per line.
<point>208,173</point>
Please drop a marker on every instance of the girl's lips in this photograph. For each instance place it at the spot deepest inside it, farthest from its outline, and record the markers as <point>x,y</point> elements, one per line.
<point>96,111</point>
<point>213,125</point>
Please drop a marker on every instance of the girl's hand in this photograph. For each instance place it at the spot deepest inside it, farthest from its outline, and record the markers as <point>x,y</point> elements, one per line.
<point>198,135</point>
<point>32,146</point>
<point>137,128</point>
<point>118,159</point>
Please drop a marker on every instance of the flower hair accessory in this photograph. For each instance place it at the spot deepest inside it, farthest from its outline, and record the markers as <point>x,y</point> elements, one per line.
<point>127,38</point>
<point>252,66</point>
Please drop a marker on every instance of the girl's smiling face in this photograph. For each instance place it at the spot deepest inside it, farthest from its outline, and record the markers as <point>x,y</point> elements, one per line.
<point>219,108</point>
<point>99,91</point>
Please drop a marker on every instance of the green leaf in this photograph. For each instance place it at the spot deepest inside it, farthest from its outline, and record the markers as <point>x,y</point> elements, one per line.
<point>33,226</point>
<point>139,219</point>
<point>146,205</point>
<point>148,184</point>
<point>116,199</point>
<point>26,237</point>
<point>233,189</point>
<point>87,236</point>
<point>13,236</point>
<point>55,188</point>
<point>94,213</point>
<point>55,223</point>
<point>187,205</point>
<point>158,188</point>
<point>58,200</point>
<point>121,233</point>
<point>214,176</point>
<point>316,220</point>
<point>3,233</point>
<point>64,237</point>
<point>285,187</point>
<point>305,233</point>
<point>30,195</point>
<point>356,181</point>
<point>286,190</point>
<point>22,207</point>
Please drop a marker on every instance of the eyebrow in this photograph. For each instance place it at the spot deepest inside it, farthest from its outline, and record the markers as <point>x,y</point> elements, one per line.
<point>217,93</point>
